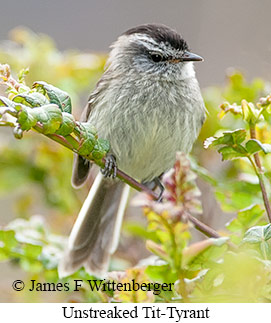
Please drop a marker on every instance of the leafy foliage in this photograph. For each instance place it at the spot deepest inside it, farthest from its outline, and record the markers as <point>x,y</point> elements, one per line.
<point>48,111</point>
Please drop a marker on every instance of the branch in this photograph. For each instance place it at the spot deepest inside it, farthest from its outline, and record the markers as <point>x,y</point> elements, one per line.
<point>203,228</point>
<point>259,173</point>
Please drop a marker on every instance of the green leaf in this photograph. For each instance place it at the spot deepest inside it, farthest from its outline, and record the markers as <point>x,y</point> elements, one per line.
<point>265,248</point>
<point>49,116</point>
<point>162,274</point>
<point>3,254</point>
<point>253,146</point>
<point>34,99</point>
<point>246,218</point>
<point>7,239</point>
<point>238,135</point>
<point>84,128</point>
<point>7,103</point>
<point>231,137</point>
<point>228,138</point>
<point>229,153</point>
<point>231,144</point>
<point>267,232</point>
<point>235,195</point>
<point>258,234</point>
<point>267,114</point>
<point>101,148</point>
<point>31,265</point>
<point>68,124</point>
<point>31,250</point>
<point>26,118</point>
<point>139,230</point>
<point>209,142</point>
<point>56,96</point>
<point>88,141</point>
<point>260,237</point>
<point>207,250</point>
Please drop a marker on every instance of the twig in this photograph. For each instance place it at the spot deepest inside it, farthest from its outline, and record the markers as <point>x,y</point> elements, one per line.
<point>136,185</point>
<point>204,228</point>
<point>259,173</point>
<point>208,231</point>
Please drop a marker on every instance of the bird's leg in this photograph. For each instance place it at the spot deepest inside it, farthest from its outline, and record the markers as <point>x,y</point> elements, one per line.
<point>110,166</point>
<point>162,188</point>
<point>156,183</point>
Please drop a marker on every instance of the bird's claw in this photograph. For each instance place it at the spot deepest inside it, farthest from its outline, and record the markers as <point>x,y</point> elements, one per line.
<point>152,185</point>
<point>162,188</point>
<point>110,167</point>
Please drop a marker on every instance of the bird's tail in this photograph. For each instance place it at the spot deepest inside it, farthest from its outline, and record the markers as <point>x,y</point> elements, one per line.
<point>95,234</point>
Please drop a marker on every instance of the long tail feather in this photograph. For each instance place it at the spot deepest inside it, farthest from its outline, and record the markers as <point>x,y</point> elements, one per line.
<point>95,234</point>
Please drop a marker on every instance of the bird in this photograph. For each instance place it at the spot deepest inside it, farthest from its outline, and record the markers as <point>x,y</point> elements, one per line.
<point>148,105</point>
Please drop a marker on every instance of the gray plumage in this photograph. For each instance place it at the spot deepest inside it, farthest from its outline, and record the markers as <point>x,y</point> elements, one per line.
<point>149,106</point>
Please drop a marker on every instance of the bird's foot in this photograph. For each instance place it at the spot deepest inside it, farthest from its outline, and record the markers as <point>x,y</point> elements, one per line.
<point>110,166</point>
<point>153,185</point>
<point>162,188</point>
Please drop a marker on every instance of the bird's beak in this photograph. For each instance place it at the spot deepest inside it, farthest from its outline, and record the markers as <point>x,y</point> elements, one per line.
<point>190,57</point>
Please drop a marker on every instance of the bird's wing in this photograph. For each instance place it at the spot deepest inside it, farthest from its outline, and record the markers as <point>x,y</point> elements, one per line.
<point>81,166</point>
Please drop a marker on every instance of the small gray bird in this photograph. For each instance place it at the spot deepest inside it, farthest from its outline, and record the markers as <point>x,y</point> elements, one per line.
<point>149,106</point>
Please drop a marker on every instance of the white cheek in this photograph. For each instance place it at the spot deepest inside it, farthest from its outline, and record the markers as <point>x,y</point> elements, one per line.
<point>186,71</point>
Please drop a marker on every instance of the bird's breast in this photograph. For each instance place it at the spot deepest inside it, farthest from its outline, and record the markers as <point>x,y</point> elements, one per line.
<point>146,129</point>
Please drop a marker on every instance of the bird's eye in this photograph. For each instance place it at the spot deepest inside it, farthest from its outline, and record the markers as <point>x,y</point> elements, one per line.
<point>156,57</point>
